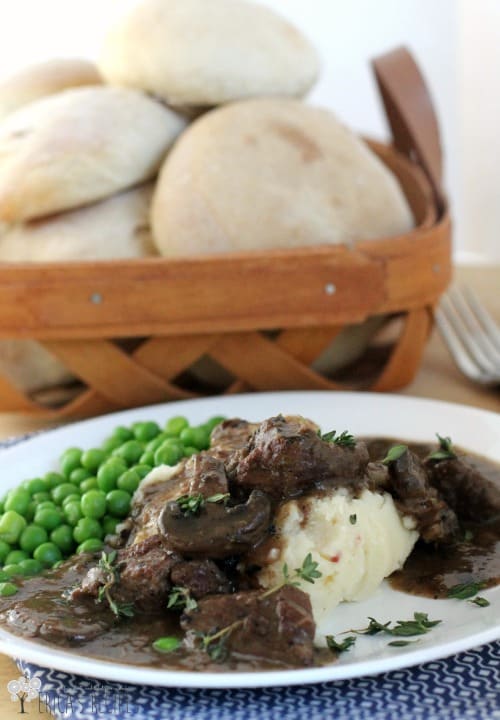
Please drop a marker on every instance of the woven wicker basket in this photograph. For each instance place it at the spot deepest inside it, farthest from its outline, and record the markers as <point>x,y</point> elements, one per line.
<point>180,310</point>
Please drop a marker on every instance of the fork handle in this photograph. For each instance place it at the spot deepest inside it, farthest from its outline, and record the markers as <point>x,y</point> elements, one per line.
<point>410,112</point>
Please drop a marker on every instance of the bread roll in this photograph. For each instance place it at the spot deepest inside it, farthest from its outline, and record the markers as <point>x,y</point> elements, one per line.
<point>194,52</point>
<point>117,227</point>
<point>79,146</point>
<point>272,173</point>
<point>47,78</point>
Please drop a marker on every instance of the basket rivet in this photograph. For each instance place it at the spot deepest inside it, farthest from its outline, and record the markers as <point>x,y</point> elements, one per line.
<point>330,289</point>
<point>96,298</point>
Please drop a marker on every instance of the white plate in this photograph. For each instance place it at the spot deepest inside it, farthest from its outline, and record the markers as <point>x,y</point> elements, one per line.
<point>464,625</point>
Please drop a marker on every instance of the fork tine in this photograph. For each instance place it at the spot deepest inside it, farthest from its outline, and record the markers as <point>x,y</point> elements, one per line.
<point>457,350</point>
<point>484,317</point>
<point>456,315</point>
<point>480,345</point>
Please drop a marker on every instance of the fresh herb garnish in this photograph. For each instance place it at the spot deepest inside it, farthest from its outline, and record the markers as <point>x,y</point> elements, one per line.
<point>190,505</point>
<point>402,643</point>
<point>464,591</point>
<point>480,601</point>
<point>215,643</point>
<point>446,450</point>
<point>353,519</point>
<point>166,644</point>
<point>339,647</point>
<point>180,598</point>
<point>345,439</point>
<point>394,453</point>
<point>420,625</point>
<point>107,564</point>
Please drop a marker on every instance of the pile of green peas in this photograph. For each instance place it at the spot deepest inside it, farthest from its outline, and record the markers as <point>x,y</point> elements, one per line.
<point>46,519</point>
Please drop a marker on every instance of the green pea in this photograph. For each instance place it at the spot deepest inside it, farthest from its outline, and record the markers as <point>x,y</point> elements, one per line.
<point>18,500</point>
<point>129,481</point>
<point>71,498</point>
<point>169,453</point>
<point>53,479</point>
<point>5,549</point>
<point>70,460</point>
<point>47,554</point>
<point>40,497</point>
<point>155,444</point>
<point>130,451</point>
<point>30,512</point>
<point>110,444</point>
<point>30,566</point>
<point>189,450</point>
<point>118,502</point>
<point>93,504</point>
<point>62,491</point>
<point>13,570</point>
<point>109,524</point>
<point>90,545</point>
<point>109,472</point>
<point>122,433</point>
<point>15,557</point>
<point>48,518</point>
<point>166,644</point>
<point>142,470</point>
<point>11,526</point>
<point>31,537</point>
<point>7,589</point>
<point>37,485</point>
<point>176,425</point>
<point>73,513</point>
<point>196,437</point>
<point>213,422</point>
<point>147,458</point>
<point>145,431</point>
<point>92,459</point>
<point>90,483</point>
<point>87,528</point>
<point>63,538</point>
<point>78,475</point>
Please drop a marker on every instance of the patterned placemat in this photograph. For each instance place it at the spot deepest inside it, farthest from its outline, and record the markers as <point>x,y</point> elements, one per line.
<point>463,687</point>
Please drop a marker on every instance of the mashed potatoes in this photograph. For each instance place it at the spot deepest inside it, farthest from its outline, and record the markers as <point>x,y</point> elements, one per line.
<point>356,541</point>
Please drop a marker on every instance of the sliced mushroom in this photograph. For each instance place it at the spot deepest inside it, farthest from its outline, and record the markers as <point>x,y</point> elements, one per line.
<point>216,531</point>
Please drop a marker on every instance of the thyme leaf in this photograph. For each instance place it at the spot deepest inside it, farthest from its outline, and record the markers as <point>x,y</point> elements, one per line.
<point>401,643</point>
<point>339,647</point>
<point>464,591</point>
<point>344,439</point>
<point>480,601</point>
<point>353,519</point>
<point>420,625</point>
<point>180,598</point>
<point>445,451</point>
<point>308,571</point>
<point>394,453</point>
<point>190,505</point>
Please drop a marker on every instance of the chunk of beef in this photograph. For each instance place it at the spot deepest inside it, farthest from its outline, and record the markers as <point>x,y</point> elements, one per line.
<point>217,530</point>
<point>206,475</point>
<point>200,577</point>
<point>471,495</point>
<point>285,457</point>
<point>230,435</point>
<point>278,628</point>
<point>142,576</point>
<point>414,496</point>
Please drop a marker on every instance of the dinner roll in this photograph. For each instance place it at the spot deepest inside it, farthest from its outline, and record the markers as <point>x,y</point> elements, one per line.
<point>117,227</point>
<point>272,173</point>
<point>80,146</point>
<point>47,78</point>
<point>196,52</point>
<point>114,228</point>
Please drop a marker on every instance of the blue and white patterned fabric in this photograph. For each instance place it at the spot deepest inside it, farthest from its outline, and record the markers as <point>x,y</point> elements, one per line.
<point>463,687</point>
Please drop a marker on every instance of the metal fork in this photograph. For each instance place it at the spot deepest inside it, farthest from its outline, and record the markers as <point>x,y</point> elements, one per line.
<point>471,334</point>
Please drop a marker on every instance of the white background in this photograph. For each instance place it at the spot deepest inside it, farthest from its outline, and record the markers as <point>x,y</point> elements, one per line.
<point>456,42</point>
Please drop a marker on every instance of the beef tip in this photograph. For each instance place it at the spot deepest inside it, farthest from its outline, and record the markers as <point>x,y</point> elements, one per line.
<point>230,435</point>
<point>217,531</point>
<point>414,496</point>
<point>206,475</point>
<point>278,628</point>
<point>472,496</point>
<point>200,577</point>
<point>285,457</point>
<point>143,576</point>
<point>377,476</point>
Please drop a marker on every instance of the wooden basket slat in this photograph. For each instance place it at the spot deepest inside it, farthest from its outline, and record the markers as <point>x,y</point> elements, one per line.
<point>306,344</point>
<point>166,357</point>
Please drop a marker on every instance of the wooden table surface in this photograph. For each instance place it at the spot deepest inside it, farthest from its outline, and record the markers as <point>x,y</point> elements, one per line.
<point>437,378</point>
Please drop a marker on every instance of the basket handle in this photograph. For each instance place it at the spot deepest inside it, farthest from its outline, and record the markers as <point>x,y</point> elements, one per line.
<point>410,113</point>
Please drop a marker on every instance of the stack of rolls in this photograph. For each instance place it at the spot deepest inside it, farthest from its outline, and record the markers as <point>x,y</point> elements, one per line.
<point>104,161</point>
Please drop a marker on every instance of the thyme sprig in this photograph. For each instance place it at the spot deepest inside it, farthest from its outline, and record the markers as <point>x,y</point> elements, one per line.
<point>180,598</point>
<point>464,591</point>
<point>339,647</point>
<point>344,439</point>
<point>107,564</point>
<point>420,625</point>
<point>446,451</point>
<point>190,505</point>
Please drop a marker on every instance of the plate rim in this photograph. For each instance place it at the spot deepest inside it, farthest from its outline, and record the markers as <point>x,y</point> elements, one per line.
<point>31,651</point>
